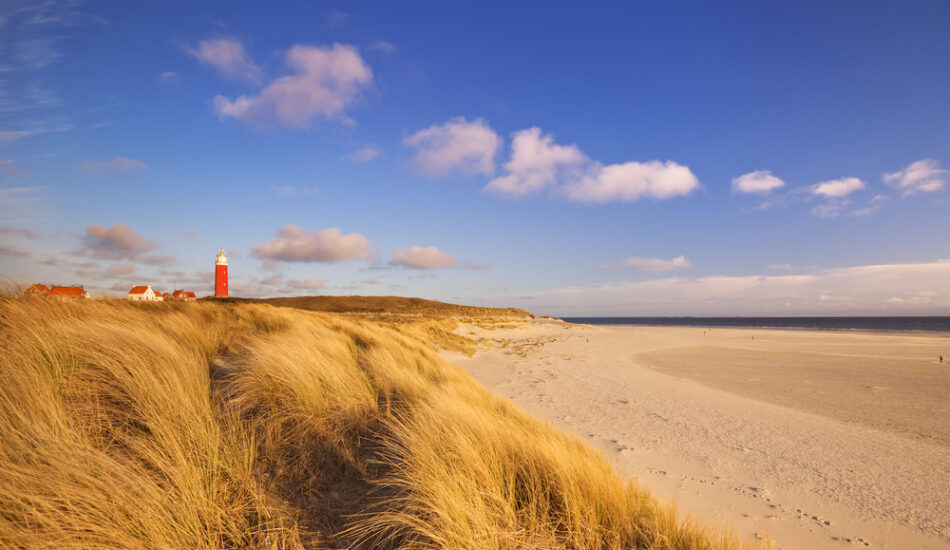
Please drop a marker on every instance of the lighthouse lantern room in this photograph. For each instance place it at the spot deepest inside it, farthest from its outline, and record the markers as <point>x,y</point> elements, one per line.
<point>221,275</point>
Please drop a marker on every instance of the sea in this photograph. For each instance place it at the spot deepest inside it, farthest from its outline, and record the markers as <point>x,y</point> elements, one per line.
<point>865,324</point>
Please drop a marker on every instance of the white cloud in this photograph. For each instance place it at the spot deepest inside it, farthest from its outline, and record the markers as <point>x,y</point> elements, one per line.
<point>834,189</point>
<point>424,257</point>
<point>457,146</point>
<point>760,182</point>
<point>295,244</point>
<point>118,164</point>
<point>364,155</point>
<point>923,176</point>
<point>325,81</point>
<point>917,288</point>
<point>631,181</point>
<point>652,265</point>
<point>227,55</point>
<point>537,163</point>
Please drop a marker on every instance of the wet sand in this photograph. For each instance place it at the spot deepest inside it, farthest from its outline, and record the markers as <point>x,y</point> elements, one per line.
<point>816,439</point>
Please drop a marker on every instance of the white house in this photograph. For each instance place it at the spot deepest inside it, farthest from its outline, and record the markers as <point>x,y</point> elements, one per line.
<point>142,293</point>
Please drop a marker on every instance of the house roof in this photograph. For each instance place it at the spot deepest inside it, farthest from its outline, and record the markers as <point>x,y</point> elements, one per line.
<point>190,294</point>
<point>38,287</point>
<point>138,289</point>
<point>66,291</point>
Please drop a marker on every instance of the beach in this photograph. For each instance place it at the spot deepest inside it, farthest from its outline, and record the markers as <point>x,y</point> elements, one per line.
<point>815,439</point>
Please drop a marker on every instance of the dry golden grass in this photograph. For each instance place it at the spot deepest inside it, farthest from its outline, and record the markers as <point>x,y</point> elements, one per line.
<point>217,425</point>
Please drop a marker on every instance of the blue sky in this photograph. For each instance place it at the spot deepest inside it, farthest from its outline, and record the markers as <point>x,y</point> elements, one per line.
<point>629,158</point>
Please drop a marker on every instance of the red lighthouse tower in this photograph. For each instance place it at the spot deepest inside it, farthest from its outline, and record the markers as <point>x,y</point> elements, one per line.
<point>221,275</point>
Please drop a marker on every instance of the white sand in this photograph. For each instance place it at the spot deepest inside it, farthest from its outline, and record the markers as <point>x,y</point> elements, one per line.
<point>819,440</point>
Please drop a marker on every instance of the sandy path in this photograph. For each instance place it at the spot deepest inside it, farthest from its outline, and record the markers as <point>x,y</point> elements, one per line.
<point>784,434</point>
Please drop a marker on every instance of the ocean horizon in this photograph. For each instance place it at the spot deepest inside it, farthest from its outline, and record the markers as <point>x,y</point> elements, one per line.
<point>924,323</point>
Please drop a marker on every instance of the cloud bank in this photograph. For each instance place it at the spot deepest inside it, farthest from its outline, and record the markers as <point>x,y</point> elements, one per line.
<point>884,289</point>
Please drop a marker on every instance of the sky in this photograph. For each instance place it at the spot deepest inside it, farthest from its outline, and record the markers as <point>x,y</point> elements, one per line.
<point>629,158</point>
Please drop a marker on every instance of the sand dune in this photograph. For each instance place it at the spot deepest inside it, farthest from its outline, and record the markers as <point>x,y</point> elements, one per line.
<point>820,440</point>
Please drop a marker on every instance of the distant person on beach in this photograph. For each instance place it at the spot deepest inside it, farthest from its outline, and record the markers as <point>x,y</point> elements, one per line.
<point>941,358</point>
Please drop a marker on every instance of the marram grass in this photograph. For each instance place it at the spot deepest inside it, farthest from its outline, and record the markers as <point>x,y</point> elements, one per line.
<point>214,425</point>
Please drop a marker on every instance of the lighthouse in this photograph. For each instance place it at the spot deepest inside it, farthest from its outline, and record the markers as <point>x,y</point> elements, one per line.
<point>221,275</point>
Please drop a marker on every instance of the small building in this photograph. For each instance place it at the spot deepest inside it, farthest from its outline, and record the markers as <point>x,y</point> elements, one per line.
<point>36,289</point>
<point>142,293</point>
<point>183,296</point>
<point>67,293</point>
<point>159,297</point>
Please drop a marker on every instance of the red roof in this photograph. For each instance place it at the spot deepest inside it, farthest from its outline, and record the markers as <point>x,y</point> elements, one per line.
<point>138,289</point>
<point>37,288</point>
<point>190,294</point>
<point>66,291</point>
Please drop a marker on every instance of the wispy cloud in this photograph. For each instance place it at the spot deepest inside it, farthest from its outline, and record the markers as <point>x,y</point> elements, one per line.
<point>381,46</point>
<point>292,191</point>
<point>18,232</point>
<point>305,284</point>
<point>23,205</point>
<point>337,18</point>
<point>364,154</point>
<point>10,167</point>
<point>30,43</point>
<point>10,251</point>
<point>32,128</point>
<point>117,164</point>
<point>170,77</point>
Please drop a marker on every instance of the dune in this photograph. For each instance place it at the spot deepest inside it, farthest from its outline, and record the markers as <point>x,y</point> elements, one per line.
<point>235,425</point>
<point>815,439</point>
